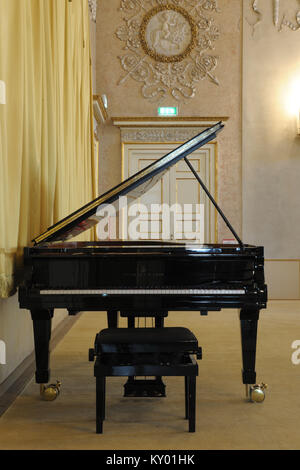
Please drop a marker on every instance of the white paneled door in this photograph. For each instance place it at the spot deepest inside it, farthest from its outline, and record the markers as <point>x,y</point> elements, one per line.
<point>176,207</point>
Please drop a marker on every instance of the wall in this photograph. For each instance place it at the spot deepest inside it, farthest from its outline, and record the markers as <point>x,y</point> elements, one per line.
<point>271,148</point>
<point>126,100</point>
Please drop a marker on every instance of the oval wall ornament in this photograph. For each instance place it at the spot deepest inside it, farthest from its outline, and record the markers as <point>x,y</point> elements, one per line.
<point>168,33</point>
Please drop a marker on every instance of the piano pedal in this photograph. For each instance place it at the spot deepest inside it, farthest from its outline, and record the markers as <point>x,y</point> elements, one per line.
<point>50,392</point>
<point>144,388</point>
<point>256,393</point>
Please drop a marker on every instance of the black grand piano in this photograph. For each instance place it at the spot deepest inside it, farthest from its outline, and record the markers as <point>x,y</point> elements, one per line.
<point>141,276</point>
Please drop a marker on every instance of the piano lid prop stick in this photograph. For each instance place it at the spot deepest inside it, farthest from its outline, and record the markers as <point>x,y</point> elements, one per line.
<point>214,203</point>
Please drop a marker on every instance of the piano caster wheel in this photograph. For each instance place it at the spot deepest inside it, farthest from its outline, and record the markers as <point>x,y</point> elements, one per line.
<point>256,393</point>
<point>50,392</point>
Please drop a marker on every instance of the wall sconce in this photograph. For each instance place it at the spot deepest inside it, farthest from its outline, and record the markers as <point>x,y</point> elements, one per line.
<point>100,108</point>
<point>298,121</point>
<point>104,100</point>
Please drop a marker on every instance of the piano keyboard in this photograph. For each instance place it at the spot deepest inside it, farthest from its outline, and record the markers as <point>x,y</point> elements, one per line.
<point>105,292</point>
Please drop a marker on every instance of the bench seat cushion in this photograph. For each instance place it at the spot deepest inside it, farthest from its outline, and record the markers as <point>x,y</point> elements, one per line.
<point>144,340</point>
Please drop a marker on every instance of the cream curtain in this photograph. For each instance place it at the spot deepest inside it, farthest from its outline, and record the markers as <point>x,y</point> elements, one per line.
<point>46,128</point>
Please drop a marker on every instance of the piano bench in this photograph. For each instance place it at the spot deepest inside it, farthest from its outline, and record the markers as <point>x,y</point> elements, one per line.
<point>141,352</point>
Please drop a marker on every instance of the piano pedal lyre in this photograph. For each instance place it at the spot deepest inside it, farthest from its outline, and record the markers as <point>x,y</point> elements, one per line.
<point>50,392</point>
<point>256,393</point>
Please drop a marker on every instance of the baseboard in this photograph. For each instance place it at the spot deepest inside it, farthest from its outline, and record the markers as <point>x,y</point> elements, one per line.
<point>21,376</point>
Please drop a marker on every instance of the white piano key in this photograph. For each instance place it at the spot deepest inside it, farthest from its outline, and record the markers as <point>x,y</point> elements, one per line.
<point>143,292</point>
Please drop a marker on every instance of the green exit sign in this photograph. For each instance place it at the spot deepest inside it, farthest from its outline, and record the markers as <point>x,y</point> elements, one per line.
<point>167,111</point>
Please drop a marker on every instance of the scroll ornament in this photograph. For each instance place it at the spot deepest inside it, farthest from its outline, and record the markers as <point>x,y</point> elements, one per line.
<point>290,24</point>
<point>285,21</point>
<point>255,4</point>
<point>168,46</point>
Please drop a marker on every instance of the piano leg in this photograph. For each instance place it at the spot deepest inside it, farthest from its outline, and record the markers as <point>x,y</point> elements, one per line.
<point>249,319</point>
<point>42,320</point>
<point>112,318</point>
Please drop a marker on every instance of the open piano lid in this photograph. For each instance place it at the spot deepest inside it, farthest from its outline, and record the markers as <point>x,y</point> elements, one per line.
<point>86,217</point>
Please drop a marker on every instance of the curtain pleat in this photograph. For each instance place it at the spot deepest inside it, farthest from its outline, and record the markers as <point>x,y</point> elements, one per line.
<point>46,128</point>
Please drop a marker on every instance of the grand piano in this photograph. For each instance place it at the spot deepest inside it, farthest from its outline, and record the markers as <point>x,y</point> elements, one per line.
<point>141,277</point>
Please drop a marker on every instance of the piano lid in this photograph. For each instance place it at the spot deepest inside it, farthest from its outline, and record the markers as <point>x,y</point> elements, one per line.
<point>135,186</point>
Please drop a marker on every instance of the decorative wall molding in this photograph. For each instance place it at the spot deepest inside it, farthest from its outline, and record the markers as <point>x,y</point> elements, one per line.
<point>289,24</point>
<point>258,13</point>
<point>162,129</point>
<point>168,45</point>
<point>255,5</point>
<point>276,12</point>
<point>93,9</point>
<point>285,21</point>
<point>158,134</point>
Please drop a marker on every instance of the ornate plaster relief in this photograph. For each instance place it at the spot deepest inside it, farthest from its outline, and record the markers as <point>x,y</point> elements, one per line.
<point>168,45</point>
<point>255,5</point>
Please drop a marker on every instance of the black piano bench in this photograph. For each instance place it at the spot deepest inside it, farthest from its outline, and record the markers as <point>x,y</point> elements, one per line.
<point>134,352</point>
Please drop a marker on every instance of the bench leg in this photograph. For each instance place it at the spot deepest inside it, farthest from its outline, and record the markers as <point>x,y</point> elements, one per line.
<point>100,403</point>
<point>186,396</point>
<point>192,403</point>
